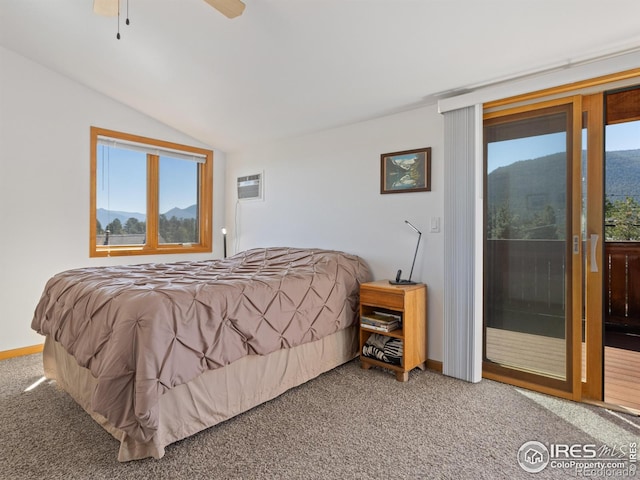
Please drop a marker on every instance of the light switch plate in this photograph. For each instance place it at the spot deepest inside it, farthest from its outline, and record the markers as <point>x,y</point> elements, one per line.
<point>435,224</point>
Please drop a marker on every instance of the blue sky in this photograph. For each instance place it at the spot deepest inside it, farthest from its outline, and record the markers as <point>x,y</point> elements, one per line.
<point>623,136</point>
<point>511,151</point>
<point>127,189</point>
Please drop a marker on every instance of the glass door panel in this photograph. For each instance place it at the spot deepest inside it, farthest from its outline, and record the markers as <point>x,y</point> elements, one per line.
<point>622,249</point>
<point>528,245</point>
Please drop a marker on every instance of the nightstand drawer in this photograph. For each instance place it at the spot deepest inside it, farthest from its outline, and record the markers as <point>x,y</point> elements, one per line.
<point>382,298</point>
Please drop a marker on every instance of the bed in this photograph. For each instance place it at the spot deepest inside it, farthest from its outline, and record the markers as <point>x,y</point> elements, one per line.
<point>158,352</point>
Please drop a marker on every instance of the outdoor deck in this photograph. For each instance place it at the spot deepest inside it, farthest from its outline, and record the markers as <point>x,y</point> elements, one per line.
<point>622,377</point>
<point>526,304</point>
<point>545,355</point>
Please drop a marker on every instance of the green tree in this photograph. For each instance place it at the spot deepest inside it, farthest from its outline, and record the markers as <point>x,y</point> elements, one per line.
<point>543,225</point>
<point>177,230</point>
<point>115,227</point>
<point>503,223</point>
<point>134,226</point>
<point>622,220</point>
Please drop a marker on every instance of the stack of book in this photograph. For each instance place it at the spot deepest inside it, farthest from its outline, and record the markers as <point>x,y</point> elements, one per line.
<point>381,321</point>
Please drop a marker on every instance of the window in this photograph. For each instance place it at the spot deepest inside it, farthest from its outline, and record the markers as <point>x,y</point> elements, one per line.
<point>148,196</point>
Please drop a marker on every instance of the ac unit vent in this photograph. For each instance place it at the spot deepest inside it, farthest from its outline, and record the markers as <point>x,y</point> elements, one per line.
<point>250,187</point>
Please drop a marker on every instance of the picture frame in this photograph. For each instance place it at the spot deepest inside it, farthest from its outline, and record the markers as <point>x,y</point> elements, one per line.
<point>406,171</point>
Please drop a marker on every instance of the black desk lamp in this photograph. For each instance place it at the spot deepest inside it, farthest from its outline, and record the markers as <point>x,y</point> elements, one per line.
<point>398,280</point>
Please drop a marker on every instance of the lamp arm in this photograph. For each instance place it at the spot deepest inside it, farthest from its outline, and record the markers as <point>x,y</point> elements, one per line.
<point>415,254</point>
<point>398,280</point>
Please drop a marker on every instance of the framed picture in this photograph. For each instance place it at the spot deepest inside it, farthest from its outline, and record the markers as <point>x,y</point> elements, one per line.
<point>408,171</point>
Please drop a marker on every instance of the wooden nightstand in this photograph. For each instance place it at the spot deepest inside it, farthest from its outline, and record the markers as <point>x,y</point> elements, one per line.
<point>410,303</point>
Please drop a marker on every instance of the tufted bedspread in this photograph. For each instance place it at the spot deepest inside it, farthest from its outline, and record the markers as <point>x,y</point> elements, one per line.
<point>143,329</point>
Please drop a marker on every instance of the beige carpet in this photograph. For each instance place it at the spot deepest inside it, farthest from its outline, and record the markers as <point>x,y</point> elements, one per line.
<point>346,424</point>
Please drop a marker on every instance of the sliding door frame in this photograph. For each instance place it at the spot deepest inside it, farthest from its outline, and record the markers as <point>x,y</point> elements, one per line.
<point>588,97</point>
<point>570,386</point>
<point>593,386</point>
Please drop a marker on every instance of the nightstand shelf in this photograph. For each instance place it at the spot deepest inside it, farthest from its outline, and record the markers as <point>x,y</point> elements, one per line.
<point>394,333</point>
<point>408,301</point>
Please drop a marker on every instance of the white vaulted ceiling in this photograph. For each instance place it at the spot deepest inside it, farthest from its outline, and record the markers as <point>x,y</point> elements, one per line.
<point>289,67</point>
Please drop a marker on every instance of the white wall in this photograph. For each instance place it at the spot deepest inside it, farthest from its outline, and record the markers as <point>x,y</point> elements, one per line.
<point>320,190</point>
<point>44,184</point>
<point>323,190</point>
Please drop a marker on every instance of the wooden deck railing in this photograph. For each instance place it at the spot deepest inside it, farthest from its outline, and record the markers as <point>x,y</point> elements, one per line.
<point>530,275</point>
<point>525,286</point>
<point>622,283</point>
<point>527,272</point>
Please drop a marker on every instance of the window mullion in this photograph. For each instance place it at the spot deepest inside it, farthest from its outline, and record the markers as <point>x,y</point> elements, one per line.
<point>153,180</point>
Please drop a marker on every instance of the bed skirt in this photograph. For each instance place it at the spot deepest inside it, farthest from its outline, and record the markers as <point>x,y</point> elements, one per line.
<point>214,396</point>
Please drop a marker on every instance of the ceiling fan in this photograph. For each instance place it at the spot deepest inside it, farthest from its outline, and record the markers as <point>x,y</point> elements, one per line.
<point>229,8</point>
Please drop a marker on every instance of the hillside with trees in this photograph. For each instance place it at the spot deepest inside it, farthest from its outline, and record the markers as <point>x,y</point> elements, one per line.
<point>180,227</point>
<point>526,199</point>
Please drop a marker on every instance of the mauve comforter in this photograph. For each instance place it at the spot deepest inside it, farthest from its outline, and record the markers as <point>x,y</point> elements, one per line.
<point>143,329</point>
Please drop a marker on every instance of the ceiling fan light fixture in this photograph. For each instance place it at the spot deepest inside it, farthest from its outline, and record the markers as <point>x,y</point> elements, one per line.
<point>111,8</point>
<point>229,8</point>
<point>108,8</point>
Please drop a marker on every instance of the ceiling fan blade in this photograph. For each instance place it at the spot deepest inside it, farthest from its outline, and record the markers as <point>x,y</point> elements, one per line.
<point>108,8</point>
<point>229,8</point>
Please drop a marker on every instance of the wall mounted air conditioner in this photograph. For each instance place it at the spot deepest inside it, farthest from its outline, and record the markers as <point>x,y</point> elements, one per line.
<point>250,187</point>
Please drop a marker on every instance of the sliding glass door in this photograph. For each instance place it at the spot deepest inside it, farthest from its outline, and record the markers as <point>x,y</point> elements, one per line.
<point>530,242</point>
<point>561,264</point>
<point>622,248</point>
